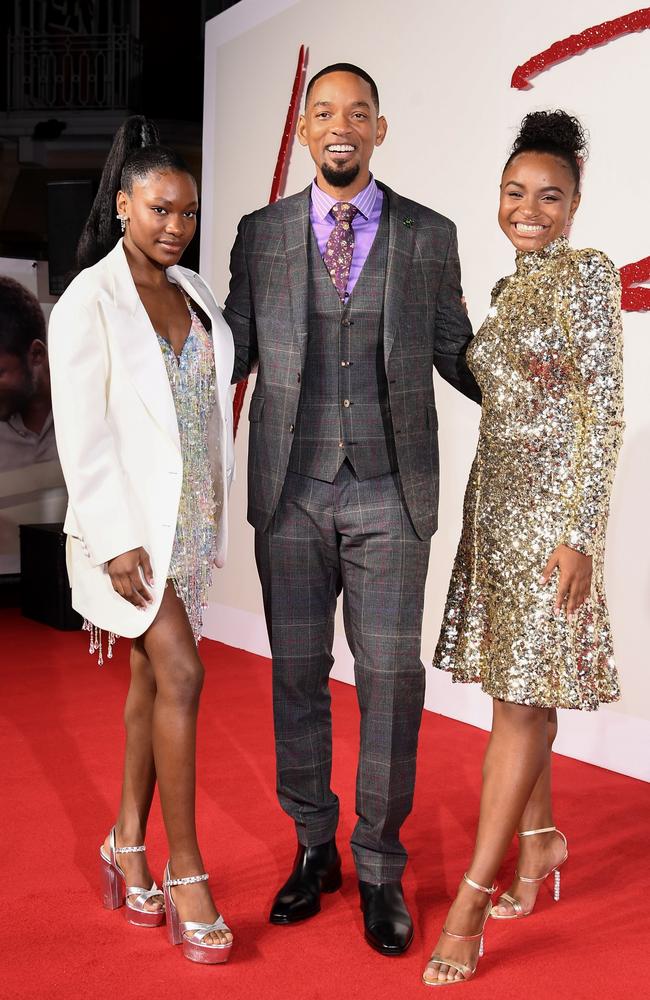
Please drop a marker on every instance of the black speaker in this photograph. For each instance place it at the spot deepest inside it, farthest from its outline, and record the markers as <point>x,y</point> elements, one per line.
<point>68,207</point>
<point>44,585</point>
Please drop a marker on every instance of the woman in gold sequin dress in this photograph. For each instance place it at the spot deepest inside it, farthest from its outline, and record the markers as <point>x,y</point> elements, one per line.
<point>526,615</point>
<point>141,361</point>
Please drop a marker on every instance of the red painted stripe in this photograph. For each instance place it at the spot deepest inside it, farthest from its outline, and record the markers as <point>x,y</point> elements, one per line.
<point>599,34</point>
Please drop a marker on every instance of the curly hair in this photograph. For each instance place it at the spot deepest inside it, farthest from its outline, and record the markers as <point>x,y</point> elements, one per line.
<point>554,132</point>
<point>21,318</point>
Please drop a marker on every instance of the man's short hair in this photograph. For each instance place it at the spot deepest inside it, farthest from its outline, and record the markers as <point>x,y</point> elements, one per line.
<point>21,318</point>
<point>345,68</point>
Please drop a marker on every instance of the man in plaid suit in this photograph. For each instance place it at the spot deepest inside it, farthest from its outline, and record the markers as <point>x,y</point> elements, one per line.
<point>345,297</point>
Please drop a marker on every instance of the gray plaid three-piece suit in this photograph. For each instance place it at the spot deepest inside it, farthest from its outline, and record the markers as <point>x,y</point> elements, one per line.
<point>343,491</point>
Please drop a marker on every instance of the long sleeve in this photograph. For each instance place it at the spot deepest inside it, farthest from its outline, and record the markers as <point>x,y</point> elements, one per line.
<point>595,333</point>
<point>238,310</point>
<point>453,330</point>
<point>97,490</point>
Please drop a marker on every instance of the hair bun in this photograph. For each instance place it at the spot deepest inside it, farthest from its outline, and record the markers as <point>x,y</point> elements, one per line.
<point>549,130</point>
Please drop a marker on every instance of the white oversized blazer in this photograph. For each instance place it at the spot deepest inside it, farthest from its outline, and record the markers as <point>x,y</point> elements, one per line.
<point>117,433</point>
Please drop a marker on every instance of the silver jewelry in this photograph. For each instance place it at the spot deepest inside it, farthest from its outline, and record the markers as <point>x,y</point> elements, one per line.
<point>190,880</point>
<point>123,221</point>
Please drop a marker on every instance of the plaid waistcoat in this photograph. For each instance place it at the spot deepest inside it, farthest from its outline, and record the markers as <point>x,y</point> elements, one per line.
<point>344,409</point>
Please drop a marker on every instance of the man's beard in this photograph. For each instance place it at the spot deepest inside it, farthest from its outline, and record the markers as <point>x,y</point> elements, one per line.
<point>12,402</point>
<point>340,178</point>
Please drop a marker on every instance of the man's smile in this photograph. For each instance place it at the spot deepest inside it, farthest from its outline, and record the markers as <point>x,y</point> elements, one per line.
<point>340,150</point>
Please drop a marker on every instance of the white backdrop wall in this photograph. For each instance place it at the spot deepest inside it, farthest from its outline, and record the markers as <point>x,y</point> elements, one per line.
<point>444,79</point>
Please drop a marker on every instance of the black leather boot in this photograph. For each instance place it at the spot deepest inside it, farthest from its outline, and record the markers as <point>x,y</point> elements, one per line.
<point>315,870</point>
<point>387,921</point>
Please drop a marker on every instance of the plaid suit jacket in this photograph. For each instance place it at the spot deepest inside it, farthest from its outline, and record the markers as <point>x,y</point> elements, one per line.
<point>425,325</point>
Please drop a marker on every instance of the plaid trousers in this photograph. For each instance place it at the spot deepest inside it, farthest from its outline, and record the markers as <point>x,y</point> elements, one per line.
<point>356,537</point>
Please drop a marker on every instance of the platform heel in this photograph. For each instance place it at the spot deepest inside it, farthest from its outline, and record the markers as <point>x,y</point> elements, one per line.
<point>116,893</point>
<point>190,933</point>
<point>112,885</point>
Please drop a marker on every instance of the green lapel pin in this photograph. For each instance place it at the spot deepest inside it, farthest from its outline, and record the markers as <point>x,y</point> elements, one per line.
<point>407,222</point>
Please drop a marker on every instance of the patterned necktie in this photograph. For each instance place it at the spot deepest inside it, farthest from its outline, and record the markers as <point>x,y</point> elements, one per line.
<point>338,252</point>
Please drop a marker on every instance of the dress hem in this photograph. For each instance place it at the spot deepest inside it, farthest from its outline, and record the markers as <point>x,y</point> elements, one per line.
<point>531,704</point>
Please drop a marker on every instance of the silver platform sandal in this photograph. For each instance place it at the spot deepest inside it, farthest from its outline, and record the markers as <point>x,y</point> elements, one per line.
<point>190,933</point>
<point>116,892</point>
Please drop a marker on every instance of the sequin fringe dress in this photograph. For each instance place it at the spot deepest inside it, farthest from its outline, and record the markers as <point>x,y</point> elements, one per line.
<point>193,384</point>
<point>548,359</point>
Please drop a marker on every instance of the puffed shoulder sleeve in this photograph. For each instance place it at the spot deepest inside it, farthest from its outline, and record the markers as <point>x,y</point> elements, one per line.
<point>593,319</point>
<point>79,373</point>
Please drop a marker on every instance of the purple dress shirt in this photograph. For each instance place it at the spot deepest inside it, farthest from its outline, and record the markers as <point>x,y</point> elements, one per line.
<point>365,223</point>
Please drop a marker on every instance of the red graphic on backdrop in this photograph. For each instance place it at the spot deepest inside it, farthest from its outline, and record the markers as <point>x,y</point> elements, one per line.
<point>278,177</point>
<point>638,20</point>
<point>289,123</point>
<point>635,298</point>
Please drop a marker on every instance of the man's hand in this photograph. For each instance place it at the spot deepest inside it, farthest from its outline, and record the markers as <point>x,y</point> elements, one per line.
<point>128,572</point>
<point>574,584</point>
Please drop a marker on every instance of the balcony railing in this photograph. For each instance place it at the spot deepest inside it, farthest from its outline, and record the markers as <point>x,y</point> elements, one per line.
<point>81,72</point>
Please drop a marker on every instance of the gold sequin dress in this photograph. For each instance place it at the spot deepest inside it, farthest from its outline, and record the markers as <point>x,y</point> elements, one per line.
<point>548,359</point>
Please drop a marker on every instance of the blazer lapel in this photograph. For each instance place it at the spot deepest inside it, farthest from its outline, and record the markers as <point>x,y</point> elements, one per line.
<point>401,244</point>
<point>131,329</point>
<point>296,233</point>
<point>194,288</point>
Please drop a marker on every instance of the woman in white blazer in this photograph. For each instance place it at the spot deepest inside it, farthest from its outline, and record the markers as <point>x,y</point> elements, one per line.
<point>141,361</point>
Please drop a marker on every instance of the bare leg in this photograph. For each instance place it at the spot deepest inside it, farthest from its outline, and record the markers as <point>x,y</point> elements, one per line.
<point>178,673</point>
<point>537,854</point>
<point>139,773</point>
<point>539,808</point>
<point>514,760</point>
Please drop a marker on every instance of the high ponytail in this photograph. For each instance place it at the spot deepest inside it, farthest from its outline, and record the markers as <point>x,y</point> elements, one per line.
<point>102,229</point>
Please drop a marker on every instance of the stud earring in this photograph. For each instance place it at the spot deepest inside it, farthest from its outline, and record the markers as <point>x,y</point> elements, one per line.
<point>123,221</point>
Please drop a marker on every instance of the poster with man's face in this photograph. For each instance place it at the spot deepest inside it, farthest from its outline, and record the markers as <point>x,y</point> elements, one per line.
<point>32,489</point>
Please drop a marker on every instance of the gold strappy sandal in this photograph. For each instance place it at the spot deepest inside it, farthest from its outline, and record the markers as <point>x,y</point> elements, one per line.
<point>517,908</point>
<point>465,970</point>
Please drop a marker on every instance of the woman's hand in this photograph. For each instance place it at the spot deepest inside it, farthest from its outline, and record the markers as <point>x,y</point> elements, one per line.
<point>128,573</point>
<point>574,584</point>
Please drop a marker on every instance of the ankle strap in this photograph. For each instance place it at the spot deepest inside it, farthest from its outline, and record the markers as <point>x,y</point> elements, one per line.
<point>530,833</point>
<point>479,888</point>
<point>459,937</point>
<point>190,880</point>
<point>123,850</point>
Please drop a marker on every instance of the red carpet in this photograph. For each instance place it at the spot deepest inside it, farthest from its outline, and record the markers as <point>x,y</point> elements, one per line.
<point>61,755</point>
